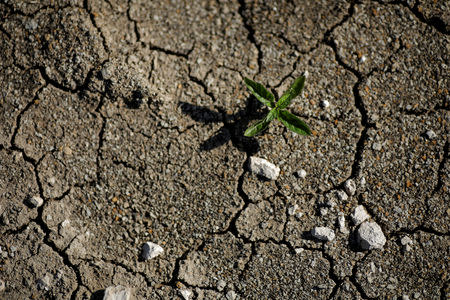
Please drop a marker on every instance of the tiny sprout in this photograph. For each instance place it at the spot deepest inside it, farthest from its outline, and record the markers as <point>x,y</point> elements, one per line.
<point>277,109</point>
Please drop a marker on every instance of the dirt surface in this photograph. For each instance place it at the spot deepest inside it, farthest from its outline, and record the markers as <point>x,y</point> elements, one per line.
<point>122,123</point>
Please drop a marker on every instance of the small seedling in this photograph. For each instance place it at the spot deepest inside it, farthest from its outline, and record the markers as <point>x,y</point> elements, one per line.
<point>277,109</point>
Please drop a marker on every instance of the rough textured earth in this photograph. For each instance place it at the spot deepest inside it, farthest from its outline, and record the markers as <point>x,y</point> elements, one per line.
<point>127,117</point>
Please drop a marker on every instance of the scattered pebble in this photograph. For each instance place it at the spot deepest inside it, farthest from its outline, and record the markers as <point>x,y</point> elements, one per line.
<point>370,236</point>
<point>299,215</point>
<point>323,211</point>
<point>406,243</point>
<point>186,294</point>
<point>36,201</point>
<point>363,59</point>
<point>151,250</point>
<point>430,134</point>
<point>118,292</point>
<point>301,173</point>
<point>350,187</point>
<point>376,146</point>
<point>2,285</point>
<point>324,104</point>
<point>262,167</point>
<point>293,209</point>
<point>323,233</point>
<point>405,297</point>
<point>44,283</point>
<point>299,250</point>
<point>342,196</point>
<point>221,285</point>
<point>231,295</point>
<point>341,223</point>
<point>359,215</point>
<point>51,181</point>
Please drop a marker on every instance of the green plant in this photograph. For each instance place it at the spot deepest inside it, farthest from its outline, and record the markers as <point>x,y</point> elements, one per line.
<point>277,109</point>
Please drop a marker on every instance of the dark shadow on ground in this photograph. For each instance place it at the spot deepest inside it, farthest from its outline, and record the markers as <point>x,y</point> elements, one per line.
<point>234,127</point>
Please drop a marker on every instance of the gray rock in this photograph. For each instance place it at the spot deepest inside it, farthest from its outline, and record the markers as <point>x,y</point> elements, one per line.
<point>221,285</point>
<point>350,187</point>
<point>264,168</point>
<point>301,173</point>
<point>292,209</point>
<point>359,215</point>
<point>323,233</point>
<point>406,243</point>
<point>117,293</point>
<point>186,294</point>
<point>2,285</point>
<point>342,196</point>
<point>430,134</point>
<point>151,250</point>
<point>370,236</point>
<point>44,282</point>
<point>341,223</point>
<point>324,104</point>
<point>36,201</point>
<point>231,295</point>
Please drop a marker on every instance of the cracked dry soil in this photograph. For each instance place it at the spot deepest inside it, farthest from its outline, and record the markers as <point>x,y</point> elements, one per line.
<point>126,119</point>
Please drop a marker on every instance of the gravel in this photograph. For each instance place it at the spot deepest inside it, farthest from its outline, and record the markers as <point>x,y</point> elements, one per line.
<point>359,215</point>
<point>350,187</point>
<point>323,233</point>
<point>264,168</point>
<point>370,236</point>
<point>117,293</point>
<point>151,250</point>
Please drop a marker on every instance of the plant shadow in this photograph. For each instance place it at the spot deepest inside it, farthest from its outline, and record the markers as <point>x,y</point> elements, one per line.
<point>235,125</point>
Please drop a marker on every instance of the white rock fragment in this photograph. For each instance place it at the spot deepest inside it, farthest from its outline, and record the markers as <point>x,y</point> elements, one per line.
<point>151,250</point>
<point>370,236</point>
<point>44,282</point>
<point>221,284</point>
<point>363,59</point>
<point>2,285</point>
<point>301,173</point>
<point>359,215</point>
<point>350,187</point>
<point>51,181</point>
<point>324,104</point>
<point>118,292</point>
<point>323,233</point>
<point>430,134</point>
<point>231,295</point>
<point>293,209</point>
<point>342,196</point>
<point>186,294</point>
<point>262,167</point>
<point>36,201</point>
<point>341,223</point>
<point>299,250</point>
<point>406,242</point>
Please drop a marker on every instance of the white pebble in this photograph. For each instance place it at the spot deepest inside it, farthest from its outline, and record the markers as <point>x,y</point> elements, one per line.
<point>370,236</point>
<point>430,134</point>
<point>341,223</point>
<point>406,243</point>
<point>2,285</point>
<point>363,58</point>
<point>51,181</point>
<point>299,250</point>
<point>186,294</point>
<point>36,201</point>
<point>221,285</point>
<point>293,209</point>
<point>118,292</point>
<point>342,196</point>
<point>301,173</point>
<point>324,104</point>
<point>151,250</point>
<point>262,167</point>
<point>231,295</point>
<point>323,233</point>
<point>359,215</point>
<point>350,187</point>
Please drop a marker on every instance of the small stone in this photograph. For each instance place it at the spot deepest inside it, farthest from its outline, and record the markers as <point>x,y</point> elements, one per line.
<point>341,223</point>
<point>293,209</point>
<point>151,250</point>
<point>2,285</point>
<point>262,167</point>
<point>363,59</point>
<point>324,104</point>
<point>430,134</point>
<point>323,233</point>
<point>221,284</point>
<point>299,250</point>
<point>406,240</point>
<point>186,294</point>
<point>323,211</point>
<point>350,187</point>
<point>118,292</point>
<point>370,236</point>
<point>299,215</point>
<point>51,181</point>
<point>44,283</point>
<point>231,295</point>
<point>359,215</point>
<point>376,146</point>
<point>36,201</point>
<point>67,151</point>
<point>342,196</point>
<point>301,173</point>
<point>405,297</point>
<point>416,295</point>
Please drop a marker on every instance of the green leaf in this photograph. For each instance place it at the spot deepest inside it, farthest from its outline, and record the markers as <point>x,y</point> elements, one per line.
<point>291,93</point>
<point>293,123</point>
<point>261,124</point>
<point>260,92</point>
